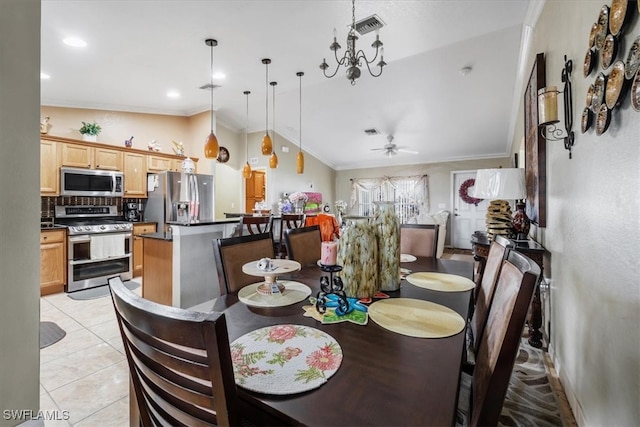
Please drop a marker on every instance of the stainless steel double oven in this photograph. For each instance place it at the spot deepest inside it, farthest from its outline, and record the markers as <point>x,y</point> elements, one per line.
<point>100,245</point>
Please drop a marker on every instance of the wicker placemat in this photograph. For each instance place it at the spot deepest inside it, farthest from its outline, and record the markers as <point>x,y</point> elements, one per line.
<point>416,318</point>
<point>284,359</point>
<point>441,282</point>
<point>293,292</point>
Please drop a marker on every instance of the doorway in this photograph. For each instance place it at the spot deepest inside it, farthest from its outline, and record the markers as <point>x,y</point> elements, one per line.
<point>255,189</point>
<point>467,218</point>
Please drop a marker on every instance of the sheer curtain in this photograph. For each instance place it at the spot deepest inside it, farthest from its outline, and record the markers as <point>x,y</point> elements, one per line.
<point>410,194</point>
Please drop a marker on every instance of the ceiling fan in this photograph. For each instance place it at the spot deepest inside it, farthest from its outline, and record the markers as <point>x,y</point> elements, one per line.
<point>390,149</point>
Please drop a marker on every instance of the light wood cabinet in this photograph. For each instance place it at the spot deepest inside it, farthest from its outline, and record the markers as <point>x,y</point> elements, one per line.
<point>53,261</point>
<point>49,172</point>
<point>157,285</point>
<point>104,158</point>
<point>76,156</point>
<point>138,246</point>
<point>135,175</point>
<point>159,164</point>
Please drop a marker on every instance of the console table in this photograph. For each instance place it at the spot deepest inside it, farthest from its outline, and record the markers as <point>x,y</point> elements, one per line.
<point>480,244</point>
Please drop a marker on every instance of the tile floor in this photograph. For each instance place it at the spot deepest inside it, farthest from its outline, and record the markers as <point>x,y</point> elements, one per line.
<point>86,372</point>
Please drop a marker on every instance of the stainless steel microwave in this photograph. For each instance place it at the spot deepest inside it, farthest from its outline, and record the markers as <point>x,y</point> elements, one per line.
<point>91,182</point>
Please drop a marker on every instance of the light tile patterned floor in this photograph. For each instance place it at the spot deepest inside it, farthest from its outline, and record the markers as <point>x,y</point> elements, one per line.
<point>86,372</point>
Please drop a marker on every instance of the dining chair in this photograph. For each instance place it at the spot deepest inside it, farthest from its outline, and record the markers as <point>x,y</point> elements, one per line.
<point>419,239</point>
<point>255,224</point>
<point>481,402</point>
<point>498,252</point>
<point>288,222</point>
<point>179,362</point>
<point>304,245</point>
<point>233,252</point>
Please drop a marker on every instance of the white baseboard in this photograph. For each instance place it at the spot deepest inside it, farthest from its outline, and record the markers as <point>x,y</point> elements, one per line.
<point>568,389</point>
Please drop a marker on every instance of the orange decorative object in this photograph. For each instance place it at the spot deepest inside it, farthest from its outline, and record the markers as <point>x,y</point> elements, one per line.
<point>273,160</point>
<point>329,227</point>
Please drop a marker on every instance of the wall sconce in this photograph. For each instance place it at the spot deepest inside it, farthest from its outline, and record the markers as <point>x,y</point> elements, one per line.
<point>548,110</point>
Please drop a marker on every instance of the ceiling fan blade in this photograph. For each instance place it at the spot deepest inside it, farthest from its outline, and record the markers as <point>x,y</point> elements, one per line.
<point>402,150</point>
<point>377,149</point>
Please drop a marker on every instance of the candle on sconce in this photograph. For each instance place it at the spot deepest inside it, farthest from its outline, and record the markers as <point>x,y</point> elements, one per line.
<point>329,253</point>
<point>548,105</point>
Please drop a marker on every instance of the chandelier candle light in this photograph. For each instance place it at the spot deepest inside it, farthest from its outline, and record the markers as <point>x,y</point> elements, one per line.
<point>353,58</point>
<point>273,160</point>
<point>211,147</point>
<point>300,156</point>
<point>266,147</point>
<point>246,171</point>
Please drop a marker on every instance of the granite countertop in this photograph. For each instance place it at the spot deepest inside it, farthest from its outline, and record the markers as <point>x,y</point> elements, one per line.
<point>161,235</point>
<point>48,226</point>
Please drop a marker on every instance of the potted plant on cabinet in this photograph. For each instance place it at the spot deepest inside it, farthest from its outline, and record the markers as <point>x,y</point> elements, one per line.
<point>90,131</point>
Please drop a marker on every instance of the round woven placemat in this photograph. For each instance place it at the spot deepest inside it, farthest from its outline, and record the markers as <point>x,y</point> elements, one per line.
<point>416,318</point>
<point>293,292</point>
<point>441,282</point>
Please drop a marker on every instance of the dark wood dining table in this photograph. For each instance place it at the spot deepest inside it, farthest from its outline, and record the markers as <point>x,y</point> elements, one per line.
<point>386,379</point>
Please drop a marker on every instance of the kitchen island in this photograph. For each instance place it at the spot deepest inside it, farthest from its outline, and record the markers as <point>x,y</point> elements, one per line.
<point>179,265</point>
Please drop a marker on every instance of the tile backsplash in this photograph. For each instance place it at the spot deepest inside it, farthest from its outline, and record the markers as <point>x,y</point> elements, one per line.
<point>47,204</point>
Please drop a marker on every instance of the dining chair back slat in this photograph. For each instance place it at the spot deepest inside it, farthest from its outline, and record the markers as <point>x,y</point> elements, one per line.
<point>419,239</point>
<point>304,244</point>
<point>500,338</point>
<point>233,252</point>
<point>255,224</point>
<point>288,222</point>
<point>179,362</point>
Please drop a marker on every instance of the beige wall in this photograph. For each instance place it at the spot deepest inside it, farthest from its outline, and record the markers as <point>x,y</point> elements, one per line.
<point>592,233</point>
<point>440,197</point>
<point>19,212</point>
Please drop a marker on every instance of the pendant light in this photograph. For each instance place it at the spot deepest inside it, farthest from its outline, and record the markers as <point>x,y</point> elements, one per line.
<point>266,147</point>
<point>211,147</point>
<point>246,171</point>
<point>273,160</point>
<point>300,156</point>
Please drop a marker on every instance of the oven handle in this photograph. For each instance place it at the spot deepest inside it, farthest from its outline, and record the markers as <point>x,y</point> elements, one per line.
<point>88,261</point>
<point>85,238</point>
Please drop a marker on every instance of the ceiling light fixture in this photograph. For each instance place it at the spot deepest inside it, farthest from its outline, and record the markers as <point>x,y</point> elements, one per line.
<point>353,58</point>
<point>211,147</point>
<point>300,156</point>
<point>74,42</point>
<point>173,94</point>
<point>246,171</point>
<point>273,160</point>
<point>266,147</point>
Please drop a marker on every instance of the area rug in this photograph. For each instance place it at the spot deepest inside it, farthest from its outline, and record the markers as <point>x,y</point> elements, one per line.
<point>99,292</point>
<point>50,333</point>
<point>531,399</point>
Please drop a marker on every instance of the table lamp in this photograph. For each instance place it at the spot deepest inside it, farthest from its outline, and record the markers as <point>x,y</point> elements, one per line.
<point>501,185</point>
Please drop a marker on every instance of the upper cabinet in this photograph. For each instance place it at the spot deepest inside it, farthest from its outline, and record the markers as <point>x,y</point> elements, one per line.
<point>49,171</point>
<point>158,164</point>
<point>135,175</point>
<point>76,156</point>
<point>105,158</point>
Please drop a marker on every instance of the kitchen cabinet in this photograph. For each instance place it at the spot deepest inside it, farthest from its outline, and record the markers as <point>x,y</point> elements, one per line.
<point>138,248</point>
<point>76,156</point>
<point>135,175</point>
<point>108,159</point>
<point>53,261</point>
<point>159,164</point>
<point>157,283</point>
<point>49,177</point>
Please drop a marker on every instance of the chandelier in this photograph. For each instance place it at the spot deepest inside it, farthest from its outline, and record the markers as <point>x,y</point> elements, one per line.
<point>353,58</point>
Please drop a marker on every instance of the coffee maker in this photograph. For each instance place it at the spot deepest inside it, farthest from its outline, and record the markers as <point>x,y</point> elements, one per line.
<point>133,212</point>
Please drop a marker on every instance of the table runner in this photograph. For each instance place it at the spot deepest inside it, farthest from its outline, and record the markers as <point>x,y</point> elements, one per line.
<point>284,359</point>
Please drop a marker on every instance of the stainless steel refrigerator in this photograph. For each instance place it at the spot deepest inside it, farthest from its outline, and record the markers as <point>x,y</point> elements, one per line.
<point>179,198</point>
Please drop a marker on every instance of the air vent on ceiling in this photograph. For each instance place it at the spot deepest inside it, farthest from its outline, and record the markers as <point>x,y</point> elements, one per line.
<point>372,131</point>
<point>369,24</point>
<point>208,86</point>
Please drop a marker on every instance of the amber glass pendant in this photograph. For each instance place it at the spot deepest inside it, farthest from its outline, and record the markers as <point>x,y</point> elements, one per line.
<point>246,171</point>
<point>300,162</point>
<point>211,147</point>
<point>273,160</point>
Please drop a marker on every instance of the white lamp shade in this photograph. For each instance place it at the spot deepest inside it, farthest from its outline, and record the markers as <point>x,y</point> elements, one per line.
<point>503,183</point>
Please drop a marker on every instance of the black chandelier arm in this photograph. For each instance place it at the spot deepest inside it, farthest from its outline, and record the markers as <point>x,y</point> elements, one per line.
<point>380,64</point>
<point>361,55</point>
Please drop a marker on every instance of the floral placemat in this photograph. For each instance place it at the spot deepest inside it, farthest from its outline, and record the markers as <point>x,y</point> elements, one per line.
<point>284,359</point>
<point>441,282</point>
<point>293,292</point>
<point>416,318</point>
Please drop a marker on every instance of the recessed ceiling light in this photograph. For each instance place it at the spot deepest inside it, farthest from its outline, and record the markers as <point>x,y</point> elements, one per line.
<point>173,94</point>
<point>219,75</point>
<point>44,76</point>
<point>74,42</point>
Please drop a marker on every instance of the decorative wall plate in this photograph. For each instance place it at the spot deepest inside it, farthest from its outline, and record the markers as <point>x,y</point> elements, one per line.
<point>602,119</point>
<point>598,92</point>
<point>618,15</point>
<point>590,95</point>
<point>589,62</point>
<point>615,85</point>
<point>587,118</point>
<point>609,51</point>
<point>223,155</point>
<point>603,27</point>
<point>633,59</point>
<point>592,35</point>
<point>635,92</point>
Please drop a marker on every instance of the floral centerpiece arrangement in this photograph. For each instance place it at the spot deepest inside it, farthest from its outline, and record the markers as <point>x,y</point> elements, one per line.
<point>341,206</point>
<point>298,199</point>
<point>285,206</point>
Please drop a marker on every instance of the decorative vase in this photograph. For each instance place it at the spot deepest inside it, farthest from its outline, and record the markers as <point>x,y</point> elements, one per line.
<point>385,221</point>
<point>521,223</point>
<point>358,256</point>
<point>90,138</point>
